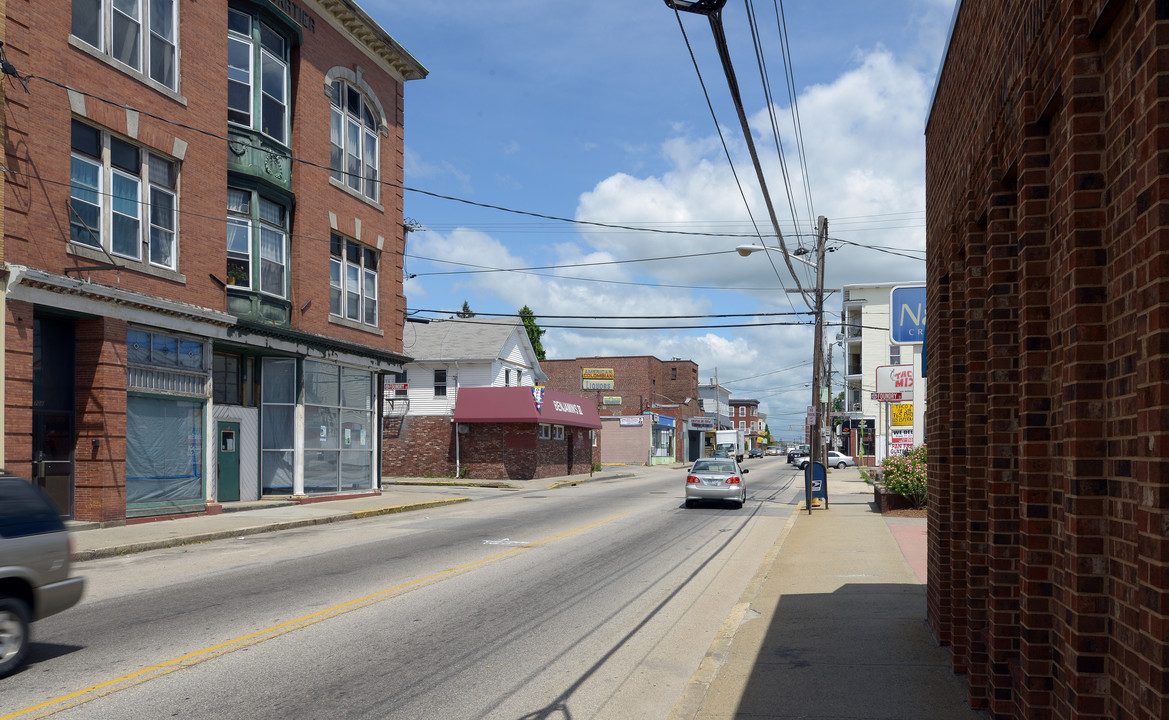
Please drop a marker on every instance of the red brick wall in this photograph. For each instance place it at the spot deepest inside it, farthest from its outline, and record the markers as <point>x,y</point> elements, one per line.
<point>1048,356</point>
<point>640,381</point>
<point>424,446</point>
<point>99,473</point>
<point>18,388</point>
<point>36,220</point>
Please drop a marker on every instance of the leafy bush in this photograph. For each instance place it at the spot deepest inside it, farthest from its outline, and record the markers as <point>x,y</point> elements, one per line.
<point>906,475</point>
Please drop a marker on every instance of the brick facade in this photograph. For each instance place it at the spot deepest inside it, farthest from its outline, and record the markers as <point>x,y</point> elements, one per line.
<point>424,446</point>
<point>643,382</point>
<point>52,274</point>
<point>1048,358</point>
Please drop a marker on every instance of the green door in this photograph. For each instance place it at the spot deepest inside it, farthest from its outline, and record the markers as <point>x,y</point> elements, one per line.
<point>228,462</point>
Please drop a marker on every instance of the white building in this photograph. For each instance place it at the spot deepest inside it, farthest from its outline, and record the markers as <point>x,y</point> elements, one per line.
<point>874,430</point>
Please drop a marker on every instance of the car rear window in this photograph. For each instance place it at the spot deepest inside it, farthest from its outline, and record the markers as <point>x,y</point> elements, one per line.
<point>26,510</point>
<point>714,466</point>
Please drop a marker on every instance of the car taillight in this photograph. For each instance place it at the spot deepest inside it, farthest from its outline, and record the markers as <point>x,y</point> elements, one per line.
<point>692,479</point>
<point>733,480</point>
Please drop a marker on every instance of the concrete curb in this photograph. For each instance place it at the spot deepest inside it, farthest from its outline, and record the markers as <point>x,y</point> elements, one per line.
<point>693,696</point>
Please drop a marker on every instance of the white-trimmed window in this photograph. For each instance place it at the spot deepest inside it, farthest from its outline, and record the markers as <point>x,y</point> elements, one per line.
<point>557,432</point>
<point>440,383</point>
<point>353,140</point>
<point>353,281</point>
<point>257,242</point>
<point>140,34</point>
<point>544,431</point>
<point>257,75</point>
<point>123,198</point>
<point>742,411</point>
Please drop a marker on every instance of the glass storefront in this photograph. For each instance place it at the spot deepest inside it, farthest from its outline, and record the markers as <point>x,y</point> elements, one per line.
<point>338,428</point>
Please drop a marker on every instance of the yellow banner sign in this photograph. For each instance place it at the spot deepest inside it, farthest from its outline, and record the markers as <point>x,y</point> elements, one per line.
<point>902,414</point>
<point>596,373</point>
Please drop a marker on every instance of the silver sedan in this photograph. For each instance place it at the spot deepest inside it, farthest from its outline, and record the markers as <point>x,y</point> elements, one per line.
<point>716,479</point>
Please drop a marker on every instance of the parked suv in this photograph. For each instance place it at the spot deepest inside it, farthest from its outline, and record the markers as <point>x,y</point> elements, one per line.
<point>34,566</point>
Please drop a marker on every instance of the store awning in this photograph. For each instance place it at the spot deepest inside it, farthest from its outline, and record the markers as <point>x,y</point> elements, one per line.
<point>518,405</point>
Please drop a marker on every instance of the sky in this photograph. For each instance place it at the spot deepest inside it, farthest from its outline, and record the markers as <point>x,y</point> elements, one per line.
<point>567,117</point>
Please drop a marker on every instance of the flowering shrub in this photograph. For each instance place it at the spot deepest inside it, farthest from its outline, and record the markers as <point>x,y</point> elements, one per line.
<point>905,475</point>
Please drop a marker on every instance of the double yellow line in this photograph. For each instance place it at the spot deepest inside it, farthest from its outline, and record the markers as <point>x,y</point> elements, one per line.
<point>94,692</point>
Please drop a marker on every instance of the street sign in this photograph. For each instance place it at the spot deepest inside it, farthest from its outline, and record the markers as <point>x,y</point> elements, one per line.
<point>907,315</point>
<point>886,397</point>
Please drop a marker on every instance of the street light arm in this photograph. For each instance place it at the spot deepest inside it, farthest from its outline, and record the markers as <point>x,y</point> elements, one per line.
<point>746,250</point>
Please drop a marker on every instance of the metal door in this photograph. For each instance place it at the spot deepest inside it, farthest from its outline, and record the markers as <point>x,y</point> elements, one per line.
<point>227,461</point>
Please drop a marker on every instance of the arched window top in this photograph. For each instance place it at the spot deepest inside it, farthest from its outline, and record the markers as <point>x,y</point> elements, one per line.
<point>353,77</point>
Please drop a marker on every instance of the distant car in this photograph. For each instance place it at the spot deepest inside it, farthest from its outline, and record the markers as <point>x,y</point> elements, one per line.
<point>772,450</point>
<point>755,453</point>
<point>839,461</point>
<point>34,566</point>
<point>834,459</point>
<point>720,453</point>
<point>800,461</point>
<point>716,479</point>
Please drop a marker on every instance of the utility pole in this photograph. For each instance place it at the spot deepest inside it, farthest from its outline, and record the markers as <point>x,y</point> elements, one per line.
<point>815,451</point>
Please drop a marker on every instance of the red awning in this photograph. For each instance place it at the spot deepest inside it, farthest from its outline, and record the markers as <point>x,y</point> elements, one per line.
<point>517,404</point>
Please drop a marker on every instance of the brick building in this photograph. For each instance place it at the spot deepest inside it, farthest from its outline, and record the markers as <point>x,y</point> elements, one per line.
<point>1047,353</point>
<point>435,427</point>
<point>177,180</point>
<point>745,416</point>
<point>626,391</point>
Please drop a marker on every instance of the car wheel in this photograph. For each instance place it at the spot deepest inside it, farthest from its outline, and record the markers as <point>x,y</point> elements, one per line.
<point>841,466</point>
<point>14,615</point>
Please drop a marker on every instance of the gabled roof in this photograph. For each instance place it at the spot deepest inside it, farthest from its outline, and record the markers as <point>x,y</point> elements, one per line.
<point>464,340</point>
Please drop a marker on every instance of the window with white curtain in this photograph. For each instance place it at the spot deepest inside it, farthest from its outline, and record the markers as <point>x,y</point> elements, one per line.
<point>353,134</point>
<point>257,242</point>
<point>353,281</point>
<point>141,35</point>
<point>123,198</point>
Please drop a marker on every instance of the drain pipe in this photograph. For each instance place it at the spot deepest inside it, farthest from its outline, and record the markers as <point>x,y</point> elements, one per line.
<point>458,470</point>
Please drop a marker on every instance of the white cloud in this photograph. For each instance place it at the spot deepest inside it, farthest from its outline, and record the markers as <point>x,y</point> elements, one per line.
<point>865,155</point>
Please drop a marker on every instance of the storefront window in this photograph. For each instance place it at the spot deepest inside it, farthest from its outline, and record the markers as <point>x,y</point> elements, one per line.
<point>277,426</point>
<point>338,428</point>
<point>164,452</point>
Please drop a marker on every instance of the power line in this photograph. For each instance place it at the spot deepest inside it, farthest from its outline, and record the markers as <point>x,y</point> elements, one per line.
<point>617,317</point>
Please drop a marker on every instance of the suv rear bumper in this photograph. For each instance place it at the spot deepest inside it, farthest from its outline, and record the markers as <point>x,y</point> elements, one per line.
<point>59,596</point>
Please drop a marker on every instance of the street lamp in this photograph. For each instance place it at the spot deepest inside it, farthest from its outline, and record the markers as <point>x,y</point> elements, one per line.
<point>818,349</point>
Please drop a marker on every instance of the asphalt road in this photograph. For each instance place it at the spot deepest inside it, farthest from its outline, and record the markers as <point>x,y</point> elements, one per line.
<point>594,601</point>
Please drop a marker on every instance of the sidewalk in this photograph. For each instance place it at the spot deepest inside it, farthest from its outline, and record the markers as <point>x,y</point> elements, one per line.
<point>832,626</point>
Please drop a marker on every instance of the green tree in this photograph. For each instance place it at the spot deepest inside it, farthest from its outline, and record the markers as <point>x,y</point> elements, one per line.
<point>534,331</point>
<point>465,312</point>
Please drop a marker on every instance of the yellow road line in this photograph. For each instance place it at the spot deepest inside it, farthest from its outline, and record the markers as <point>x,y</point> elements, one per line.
<point>109,687</point>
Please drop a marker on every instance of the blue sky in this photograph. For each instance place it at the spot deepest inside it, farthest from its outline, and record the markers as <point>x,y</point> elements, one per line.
<point>593,111</point>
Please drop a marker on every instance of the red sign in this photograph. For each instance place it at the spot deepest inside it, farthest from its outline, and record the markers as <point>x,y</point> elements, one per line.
<point>396,386</point>
<point>887,397</point>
